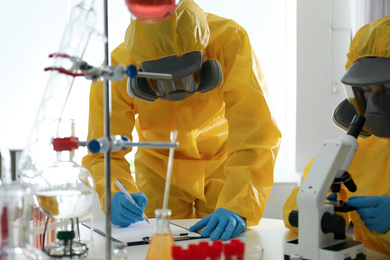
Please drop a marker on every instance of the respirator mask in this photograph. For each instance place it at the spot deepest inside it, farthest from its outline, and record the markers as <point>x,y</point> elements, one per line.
<point>189,75</point>
<point>367,95</point>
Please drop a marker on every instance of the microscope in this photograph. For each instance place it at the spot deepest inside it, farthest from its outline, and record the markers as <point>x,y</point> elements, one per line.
<point>321,232</point>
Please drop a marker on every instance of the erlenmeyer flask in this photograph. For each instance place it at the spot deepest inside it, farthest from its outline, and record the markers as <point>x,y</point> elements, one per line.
<point>162,240</point>
<point>151,10</point>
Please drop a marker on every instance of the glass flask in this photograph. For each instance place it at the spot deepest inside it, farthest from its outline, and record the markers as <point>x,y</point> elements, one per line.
<point>162,240</point>
<point>65,189</point>
<point>67,247</point>
<point>119,251</point>
<point>13,223</point>
<point>152,11</point>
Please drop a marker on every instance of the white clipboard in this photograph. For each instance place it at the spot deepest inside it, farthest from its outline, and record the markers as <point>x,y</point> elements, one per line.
<point>140,232</point>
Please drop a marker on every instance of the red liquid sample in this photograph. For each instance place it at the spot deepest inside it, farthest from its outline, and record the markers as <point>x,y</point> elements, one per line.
<point>151,10</point>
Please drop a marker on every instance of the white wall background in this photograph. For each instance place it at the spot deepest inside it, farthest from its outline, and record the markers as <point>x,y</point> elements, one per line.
<point>323,38</point>
<point>29,32</point>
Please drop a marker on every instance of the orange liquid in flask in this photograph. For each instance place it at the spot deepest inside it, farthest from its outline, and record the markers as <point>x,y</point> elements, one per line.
<point>160,247</point>
<point>162,240</point>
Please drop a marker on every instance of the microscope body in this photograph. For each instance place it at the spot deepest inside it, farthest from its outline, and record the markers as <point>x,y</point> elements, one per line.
<point>322,232</point>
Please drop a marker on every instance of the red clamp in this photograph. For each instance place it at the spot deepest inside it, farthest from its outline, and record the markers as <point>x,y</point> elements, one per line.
<point>65,144</point>
<point>64,71</point>
<point>62,55</point>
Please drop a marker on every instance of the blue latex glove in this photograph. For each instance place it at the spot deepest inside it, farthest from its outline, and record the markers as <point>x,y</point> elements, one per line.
<point>124,211</point>
<point>374,211</point>
<point>222,224</point>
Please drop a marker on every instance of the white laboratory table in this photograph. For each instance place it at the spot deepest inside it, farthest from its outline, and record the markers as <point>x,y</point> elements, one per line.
<point>269,234</point>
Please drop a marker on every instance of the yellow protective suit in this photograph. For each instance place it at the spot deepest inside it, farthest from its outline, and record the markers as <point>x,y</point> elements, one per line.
<point>370,169</point>
<point>228,139</point>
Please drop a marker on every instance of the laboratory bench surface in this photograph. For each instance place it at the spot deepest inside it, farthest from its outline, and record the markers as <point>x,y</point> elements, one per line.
<point>269,234</point>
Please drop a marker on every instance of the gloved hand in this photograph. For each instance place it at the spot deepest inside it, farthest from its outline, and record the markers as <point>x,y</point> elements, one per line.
<point>374,211</point>
<point>124,211</point>
<point>222,224</point>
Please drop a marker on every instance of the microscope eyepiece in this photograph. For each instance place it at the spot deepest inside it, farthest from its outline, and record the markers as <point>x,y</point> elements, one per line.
<point>356,125</point>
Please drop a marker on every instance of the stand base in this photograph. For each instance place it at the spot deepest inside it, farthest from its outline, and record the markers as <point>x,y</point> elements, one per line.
<point>345,250</point>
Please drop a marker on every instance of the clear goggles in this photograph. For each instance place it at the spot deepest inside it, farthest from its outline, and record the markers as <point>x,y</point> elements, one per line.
<point>363,96</point>
<point>177,89</point>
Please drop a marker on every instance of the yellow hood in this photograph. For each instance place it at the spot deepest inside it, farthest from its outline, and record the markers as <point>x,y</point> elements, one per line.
<point>185,31</point>
<point>373,39</point>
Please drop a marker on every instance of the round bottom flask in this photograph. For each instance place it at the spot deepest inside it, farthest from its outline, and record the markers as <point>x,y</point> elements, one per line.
<point>65,190</point>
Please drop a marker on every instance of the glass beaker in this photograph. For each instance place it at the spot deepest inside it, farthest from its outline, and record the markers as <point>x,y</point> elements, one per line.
<point>151,10</point>
<point>162,240</point>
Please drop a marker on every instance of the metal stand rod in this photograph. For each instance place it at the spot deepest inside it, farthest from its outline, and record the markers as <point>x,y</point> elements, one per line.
<point>107,154</point>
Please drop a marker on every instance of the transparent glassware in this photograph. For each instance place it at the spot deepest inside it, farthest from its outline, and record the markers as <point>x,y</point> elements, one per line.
<point>119,251</point>
<point>253,252</point>
<point>67,247</point>
<point>74,41</point>
<point>13,223</point>
<point>162,240</point>
<point>65,189</point>
<point>152,11</point>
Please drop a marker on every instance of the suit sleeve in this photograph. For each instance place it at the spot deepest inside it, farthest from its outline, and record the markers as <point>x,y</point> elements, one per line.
<point>122,123</point>
<point>254,138</point>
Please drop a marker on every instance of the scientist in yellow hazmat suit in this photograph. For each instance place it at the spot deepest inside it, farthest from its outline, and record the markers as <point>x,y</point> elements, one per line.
<point>228,140</point>
<point>367,84</point>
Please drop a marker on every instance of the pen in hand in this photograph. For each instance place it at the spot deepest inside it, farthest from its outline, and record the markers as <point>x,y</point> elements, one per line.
<point>124,190</point>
